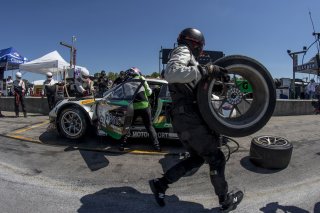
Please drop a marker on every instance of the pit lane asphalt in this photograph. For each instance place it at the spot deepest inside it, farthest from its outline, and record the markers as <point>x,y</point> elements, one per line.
<point>58,176</point>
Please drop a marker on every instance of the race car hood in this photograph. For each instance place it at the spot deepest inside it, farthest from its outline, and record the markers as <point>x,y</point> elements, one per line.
<point>87,105</point>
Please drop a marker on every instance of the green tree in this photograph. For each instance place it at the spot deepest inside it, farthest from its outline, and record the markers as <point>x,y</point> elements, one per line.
<point>154,75</point>
<point>112,75</point>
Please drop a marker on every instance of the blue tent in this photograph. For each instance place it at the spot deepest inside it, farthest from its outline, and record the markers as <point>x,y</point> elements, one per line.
<point>10,59</point>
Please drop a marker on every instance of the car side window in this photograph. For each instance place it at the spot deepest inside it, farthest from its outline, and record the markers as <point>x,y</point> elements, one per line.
<point>164,92</point>
<point>125,91</point>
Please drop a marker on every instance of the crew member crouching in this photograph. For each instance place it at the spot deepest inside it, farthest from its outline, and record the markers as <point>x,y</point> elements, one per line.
<point>83,84</point>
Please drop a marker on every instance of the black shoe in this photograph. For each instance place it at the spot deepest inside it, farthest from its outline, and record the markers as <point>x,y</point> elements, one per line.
<point>158,191</point>
<point>25,114</point>
<point>17,115</point>
<point>121,147</point>
<point>231,202</point>
<point>157,147</point>
<point>1,115</point>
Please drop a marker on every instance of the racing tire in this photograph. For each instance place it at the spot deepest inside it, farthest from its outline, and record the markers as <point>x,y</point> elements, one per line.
<point>260,104</point>
<point>270,152</point>
<point>72,123</point>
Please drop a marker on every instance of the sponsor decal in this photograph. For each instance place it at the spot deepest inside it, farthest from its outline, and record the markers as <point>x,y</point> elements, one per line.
<point>17,61</point>
<point>137,134</point>
<point>306,66</point>
<point>89,101</point>
<point>110,120</point>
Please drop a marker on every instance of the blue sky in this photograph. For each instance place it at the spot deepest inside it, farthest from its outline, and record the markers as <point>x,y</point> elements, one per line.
<point>116,34</point>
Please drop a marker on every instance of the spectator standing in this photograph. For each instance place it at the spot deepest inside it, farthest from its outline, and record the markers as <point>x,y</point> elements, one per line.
<point>311,88</point>
<point>9,83</point>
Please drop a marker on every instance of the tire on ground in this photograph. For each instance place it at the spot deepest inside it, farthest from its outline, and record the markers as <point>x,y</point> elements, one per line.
<point>270,156</point>
<point>261,108</point>
<point>80,116</point>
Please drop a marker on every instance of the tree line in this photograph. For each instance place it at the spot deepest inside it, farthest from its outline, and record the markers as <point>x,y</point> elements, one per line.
<point>113,75</point>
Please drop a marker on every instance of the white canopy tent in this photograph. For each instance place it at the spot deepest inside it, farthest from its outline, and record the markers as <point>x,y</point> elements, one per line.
<point>51,62</point>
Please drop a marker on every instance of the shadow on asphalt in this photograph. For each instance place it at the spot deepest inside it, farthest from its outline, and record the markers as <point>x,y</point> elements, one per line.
<point>94,148</point>
<point>274,207</point>
<point>94,160</point>
<point>107,144</point>
<point>8,116</point>
<point>246,163</point>
<point>128,199</point>
<point>316,207</point>
<point>21,116</point>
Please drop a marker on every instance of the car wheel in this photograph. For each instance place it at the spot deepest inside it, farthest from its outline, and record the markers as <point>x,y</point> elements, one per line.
<point>270,152</point>
<point>244,104</point>
<point>72,123</point>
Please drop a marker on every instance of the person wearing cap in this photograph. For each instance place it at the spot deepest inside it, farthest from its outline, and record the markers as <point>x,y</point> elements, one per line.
<point>84,85</point>
<point>18,90</point>
<point>50,97</point>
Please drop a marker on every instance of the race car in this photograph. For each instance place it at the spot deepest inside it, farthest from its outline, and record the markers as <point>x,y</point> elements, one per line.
<point>112,115</point>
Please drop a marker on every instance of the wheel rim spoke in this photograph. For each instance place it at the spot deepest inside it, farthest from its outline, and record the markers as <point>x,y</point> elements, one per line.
<point>71,123</point>
<point>273,141</point>
<point>237,109</point>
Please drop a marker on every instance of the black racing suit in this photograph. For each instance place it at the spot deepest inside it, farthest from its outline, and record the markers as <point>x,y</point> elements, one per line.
<point>202,143</point>
<point>49,89</point>
<point>102,85</point>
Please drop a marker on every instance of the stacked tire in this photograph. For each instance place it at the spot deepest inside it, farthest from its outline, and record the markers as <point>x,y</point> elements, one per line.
<point>270,152</point>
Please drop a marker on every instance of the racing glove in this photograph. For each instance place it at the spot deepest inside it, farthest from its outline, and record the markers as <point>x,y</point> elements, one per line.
<point>85,93</point>
<point>213,70</point>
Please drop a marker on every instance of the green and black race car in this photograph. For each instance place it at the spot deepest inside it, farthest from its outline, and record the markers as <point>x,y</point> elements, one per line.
<point>112,115</point>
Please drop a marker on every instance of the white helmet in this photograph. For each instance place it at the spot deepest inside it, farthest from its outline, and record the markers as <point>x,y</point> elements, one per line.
<point>18,75</point>
<point>49,75</point>
<point>84,74</point>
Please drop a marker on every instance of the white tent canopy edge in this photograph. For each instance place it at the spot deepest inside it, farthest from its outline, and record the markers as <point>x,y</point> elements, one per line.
<point>51,62</point>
